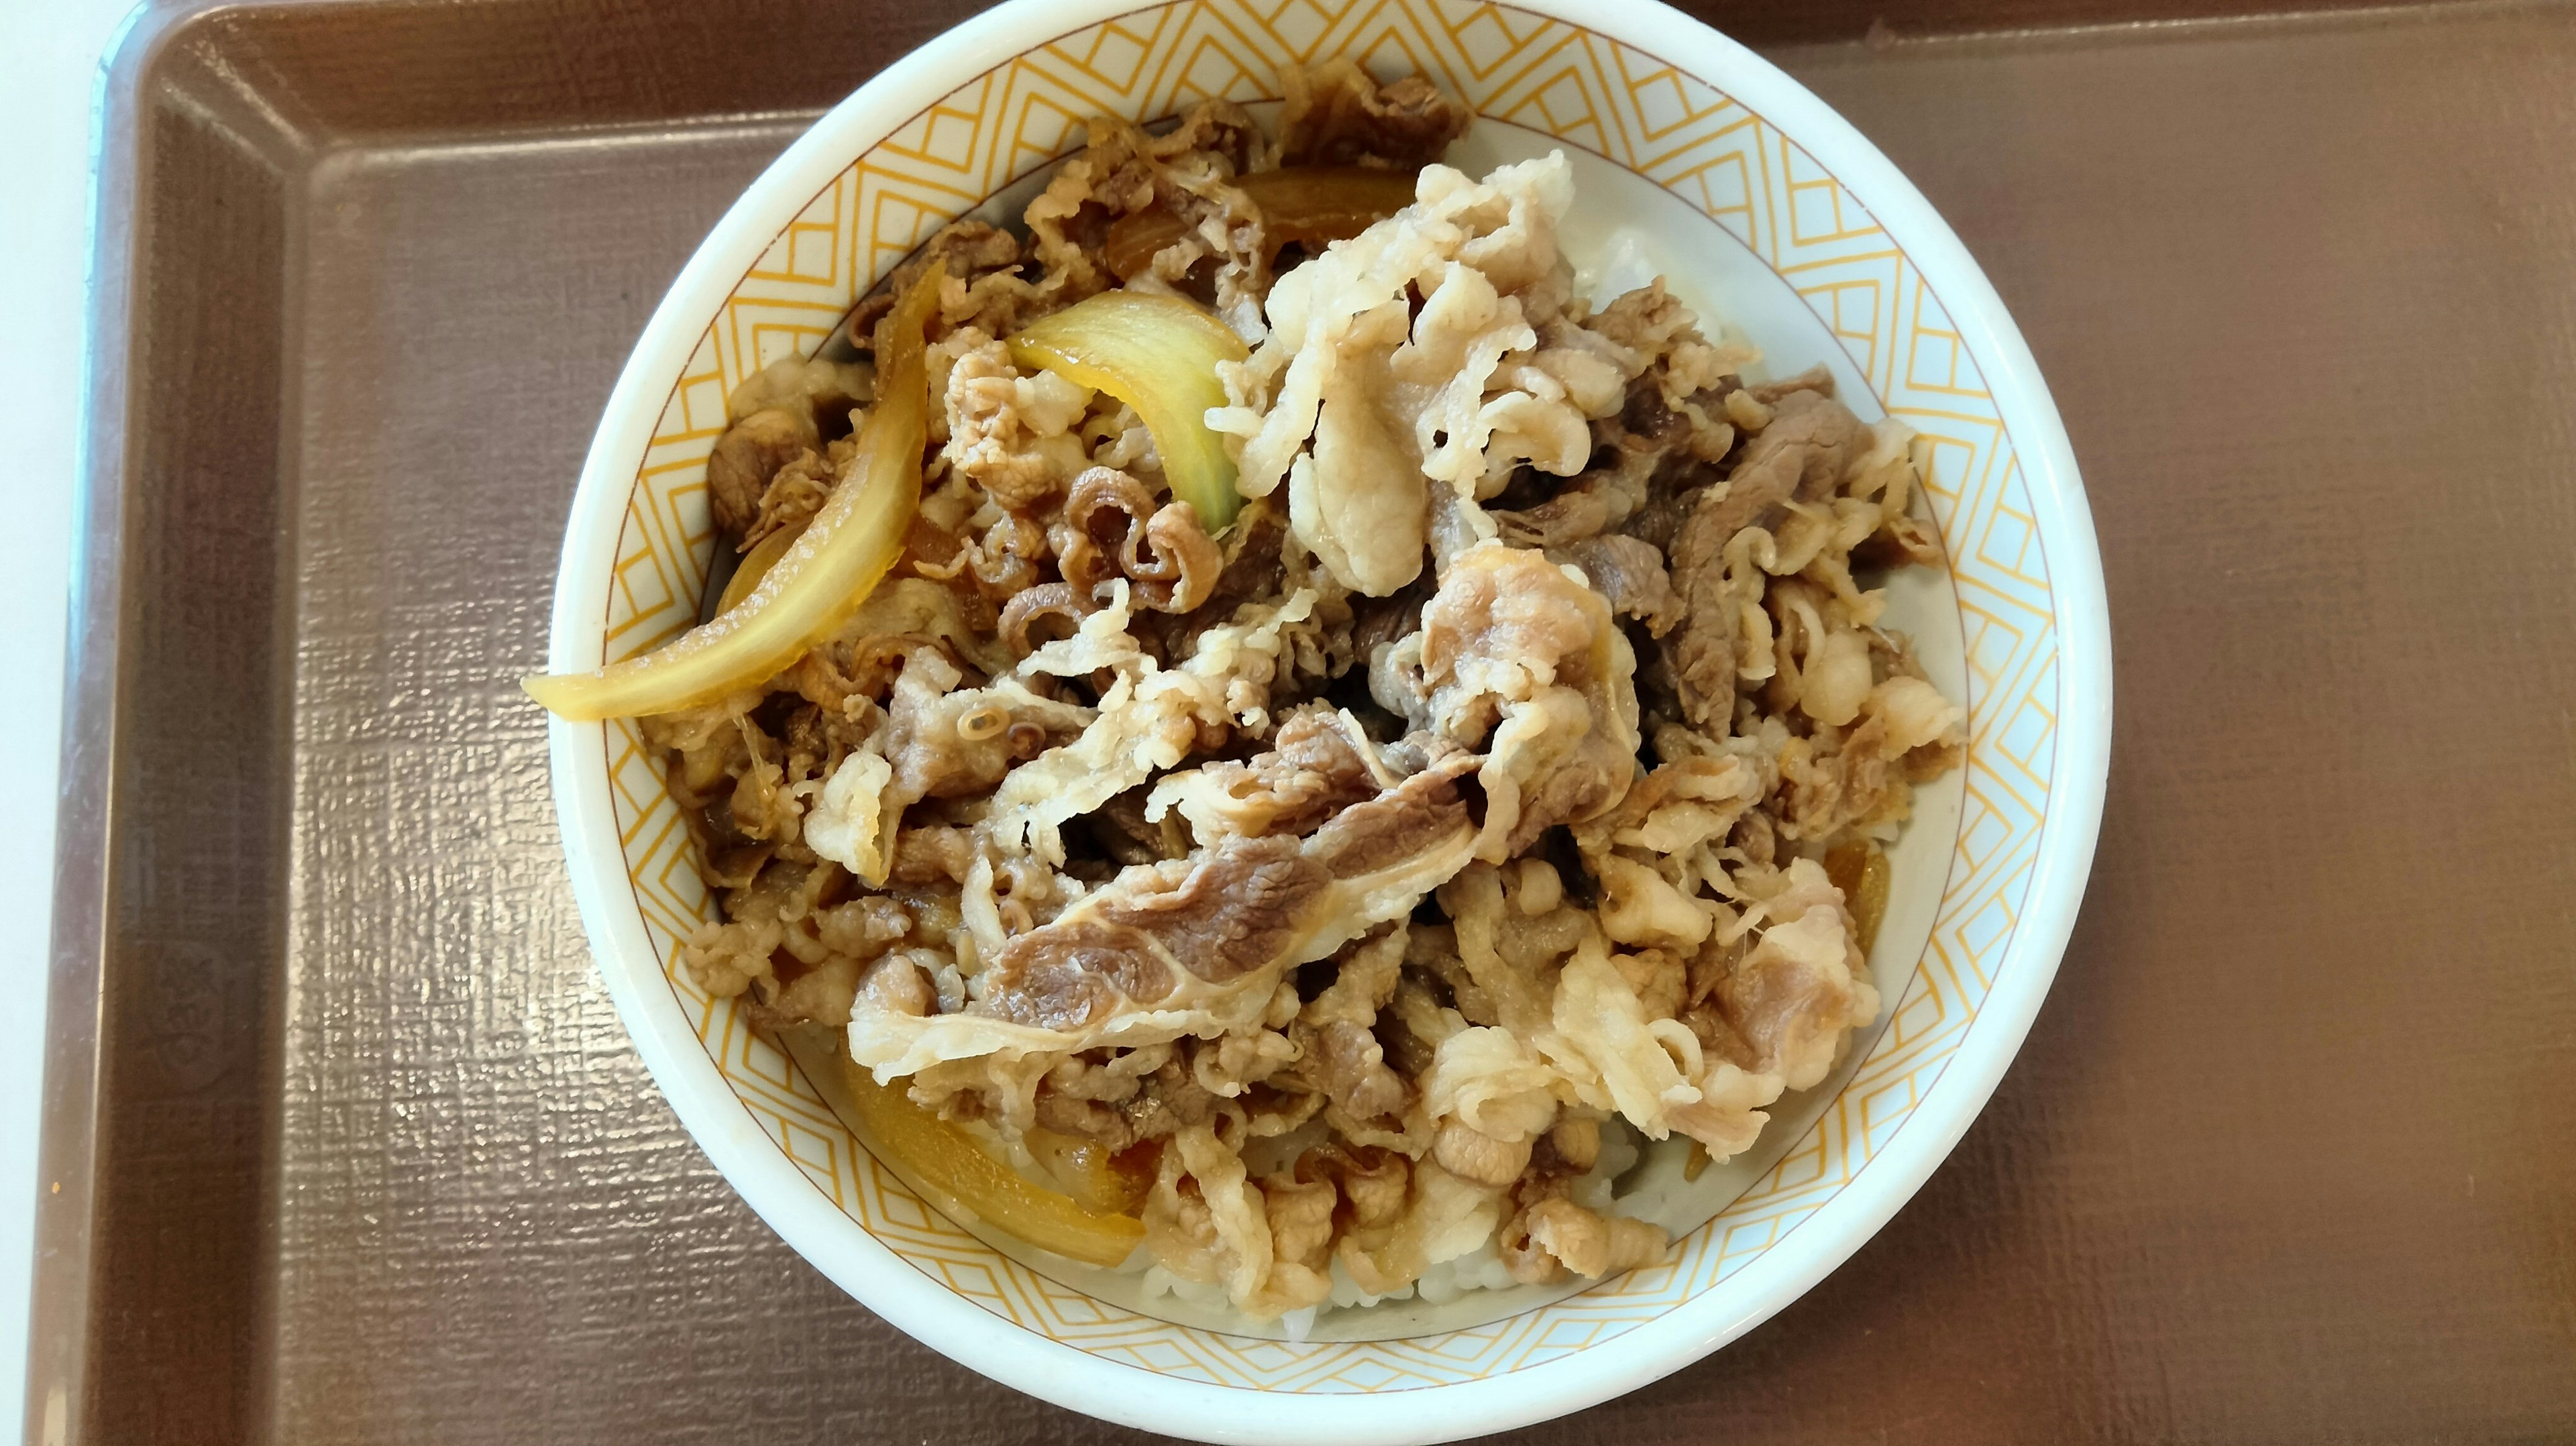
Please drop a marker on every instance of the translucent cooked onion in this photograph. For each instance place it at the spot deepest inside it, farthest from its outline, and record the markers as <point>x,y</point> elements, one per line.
<point>940,1159</point>
<point>755,565</point>
<point>1157,354</point>
<point>1858,867</point>
<point>816,583</point>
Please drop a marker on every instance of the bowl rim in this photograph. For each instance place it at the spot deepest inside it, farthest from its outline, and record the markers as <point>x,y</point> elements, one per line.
<point>939,1317</point>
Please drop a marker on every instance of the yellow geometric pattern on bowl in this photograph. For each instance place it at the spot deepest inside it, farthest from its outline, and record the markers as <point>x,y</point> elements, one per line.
<point>1586,91</point>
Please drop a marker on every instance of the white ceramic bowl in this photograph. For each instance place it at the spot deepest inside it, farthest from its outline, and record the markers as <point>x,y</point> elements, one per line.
<point>1781,224</point>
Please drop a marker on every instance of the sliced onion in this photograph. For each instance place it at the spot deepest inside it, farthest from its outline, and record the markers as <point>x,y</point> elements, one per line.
<point>815,584</point>
<point>942,1162</point>
<point>1157,354</point>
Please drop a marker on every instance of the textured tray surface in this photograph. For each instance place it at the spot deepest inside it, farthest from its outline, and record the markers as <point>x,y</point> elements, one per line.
<point>2284,1157</point>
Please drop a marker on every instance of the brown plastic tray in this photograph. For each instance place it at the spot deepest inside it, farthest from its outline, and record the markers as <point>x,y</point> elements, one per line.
<point>344,1142</point>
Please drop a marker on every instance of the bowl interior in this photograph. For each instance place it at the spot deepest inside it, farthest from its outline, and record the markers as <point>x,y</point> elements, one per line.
<point>1673,177</point>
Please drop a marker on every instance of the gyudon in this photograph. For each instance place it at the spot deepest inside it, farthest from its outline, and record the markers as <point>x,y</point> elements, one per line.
<point>1283,733</point>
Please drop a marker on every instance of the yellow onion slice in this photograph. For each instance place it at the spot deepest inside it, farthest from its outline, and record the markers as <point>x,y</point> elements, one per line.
<point>943,1162</point>
<point>1858,867</point>
<point>1099,1178</point>
<point>755,565</point>
<point>1157,354</point>
<point>817,581</point>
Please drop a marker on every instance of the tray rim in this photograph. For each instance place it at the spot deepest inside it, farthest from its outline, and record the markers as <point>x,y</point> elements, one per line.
<point>62,1304</point>
<point>67,1145</point>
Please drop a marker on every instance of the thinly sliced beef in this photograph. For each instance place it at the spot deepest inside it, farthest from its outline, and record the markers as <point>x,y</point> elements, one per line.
<point>1313,770</point>
<point>1228,914</point>
<point>1811,442</point>
<point>1527,663</point>
<point>1802,455</point>
<point>1414,819</point>
<point>747,456</point>
<point>1629,573</point>
<point>1339,115</point>
<point>1814,379</point>
<point>1173,934</point>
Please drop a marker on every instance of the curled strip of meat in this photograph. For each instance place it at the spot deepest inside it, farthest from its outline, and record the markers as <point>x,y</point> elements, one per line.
<point>1103,509</point>
<point>1112,527</point>
<point>1183,560</point>
<point>1027,607</point>
<point>832,675</point>
<point>1000,561</point>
